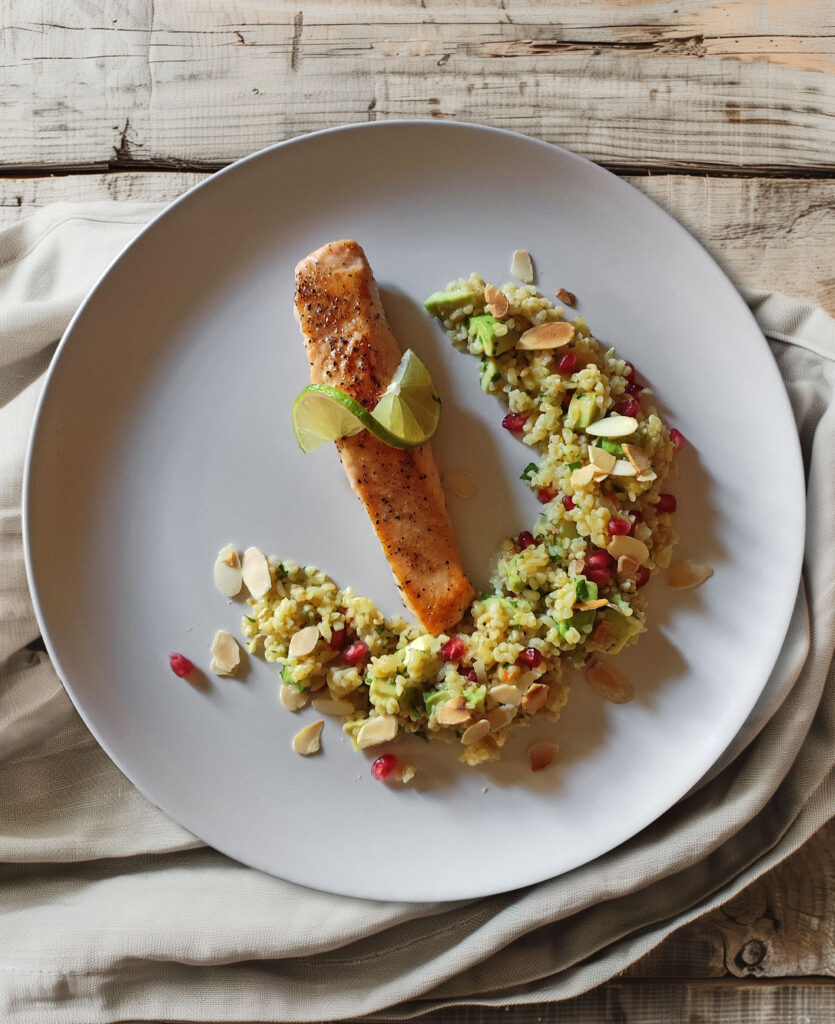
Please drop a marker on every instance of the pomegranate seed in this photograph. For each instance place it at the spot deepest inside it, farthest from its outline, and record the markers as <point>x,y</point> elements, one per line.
<point>514,422</point>
<point>629,371</point>
<point>355,653</point>
<point>634,388</point>
<point>453,649</point>
<point>470,675</point>
<point>599,559</point>
<point>678,439</point>
<point>545,494</point>
<point>602,577</point>
<point>666,503</point>
<point>567,364</point>
<point>337,641</point>
<point>525,540</point>
<point>568,503</point>
<point>641,577</point>
<point>383,766</point>
<point>531,657</point>
<point>618,527</point>
<point>628,407</point>
<point>180,665</point>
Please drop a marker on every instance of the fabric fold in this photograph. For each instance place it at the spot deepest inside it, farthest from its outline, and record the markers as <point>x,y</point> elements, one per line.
<point>111,911</point>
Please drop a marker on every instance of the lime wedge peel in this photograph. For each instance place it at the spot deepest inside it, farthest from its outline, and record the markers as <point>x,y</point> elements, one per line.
<point>406,416</point>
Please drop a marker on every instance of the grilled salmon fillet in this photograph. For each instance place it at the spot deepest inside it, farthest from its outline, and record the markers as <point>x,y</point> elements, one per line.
<point>351,347</point>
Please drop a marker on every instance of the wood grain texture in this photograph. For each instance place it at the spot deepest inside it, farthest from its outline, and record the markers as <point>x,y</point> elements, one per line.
<point>766,232</point>
<point>745,84</point>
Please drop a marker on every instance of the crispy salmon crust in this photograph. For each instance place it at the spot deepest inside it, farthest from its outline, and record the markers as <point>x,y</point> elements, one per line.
<point>350,346</point>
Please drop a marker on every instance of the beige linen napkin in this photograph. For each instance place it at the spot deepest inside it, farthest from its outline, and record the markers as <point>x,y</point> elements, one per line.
<point>110,911</point>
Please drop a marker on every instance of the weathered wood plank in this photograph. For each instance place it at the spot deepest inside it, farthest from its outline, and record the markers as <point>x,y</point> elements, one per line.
<point>767,233</point>
<point>702,85</point>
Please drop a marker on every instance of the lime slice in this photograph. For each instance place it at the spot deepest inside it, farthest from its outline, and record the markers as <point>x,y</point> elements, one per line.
<point>406,416</point>
<point>410,409</point>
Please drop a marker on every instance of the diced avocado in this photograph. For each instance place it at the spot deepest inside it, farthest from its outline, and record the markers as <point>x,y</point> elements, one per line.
<point>585,589</point>
<point>619,631</point>
<point>474,696</point>
<point>567,529</point>
<point>435,699</point>
<point>484,328</point>
<point>444,304</point>
<point>581,621</point>
<point>609,446</point>
<point>287,677</point>
<point>582,410</point>
<point>382,689</point>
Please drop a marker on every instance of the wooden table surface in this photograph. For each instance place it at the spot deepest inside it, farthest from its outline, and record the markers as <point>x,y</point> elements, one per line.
<point>721,111</point>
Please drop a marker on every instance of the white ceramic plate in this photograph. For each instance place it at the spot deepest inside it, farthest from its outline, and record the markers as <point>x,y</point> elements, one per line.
<point>164,433</point>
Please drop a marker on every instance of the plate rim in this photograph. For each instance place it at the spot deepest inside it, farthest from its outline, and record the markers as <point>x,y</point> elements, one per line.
<point>693,779</point>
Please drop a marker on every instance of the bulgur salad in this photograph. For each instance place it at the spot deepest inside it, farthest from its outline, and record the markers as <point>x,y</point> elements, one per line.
<point>566,589</point>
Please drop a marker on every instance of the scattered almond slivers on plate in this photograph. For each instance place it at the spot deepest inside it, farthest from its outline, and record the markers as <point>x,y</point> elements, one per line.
<point>496,300</point>
<point>521,266</point>
<point>256,572</point>
<point>460,482</point>
<point>226,654</point>
<point>308,741</point>
<point>610,683</point>
<point>228,573</point>
<point>686,574</point>
<point>542,755</point>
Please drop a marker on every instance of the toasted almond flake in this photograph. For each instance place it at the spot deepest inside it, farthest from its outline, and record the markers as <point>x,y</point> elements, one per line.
<point>613,426</point>
<point>521,266</point>
<point>228,575</point>
<point>535,697</point>
<point>293,699</point>
<point>256,572</point>
<point>602,633</point>
<point>477,731</point>
<point>601,459</point>
<point>629,546</point>
<point>329,706</point>
<point>589,606</point>
<point>647,477</point>
<point>623,467</point>
<point>454,712</point>
<point>627,565</point>
<point>226,654</point>
<point>542,755</point>
<point>686,574</point>
<point>582,476</point>
<point>609,682</point>
<point>637,456</point>
<point>569,298</point>
<point>303,642</point>
<point>553,334</point>
<point>504,693</point>
<point>307,742</point>
<point>497,301</point>
<point>378,730</point>
<point>460,482</point>
<point>501,716</point>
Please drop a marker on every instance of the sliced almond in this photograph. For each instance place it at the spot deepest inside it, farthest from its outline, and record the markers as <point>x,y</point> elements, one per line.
<point>627,565</point>
<point>378,730</point>
<point>601,459</point>
<point>497,301</point>
<point>582,476</point>
<point>569,298</point>
<point>589,606</point>
<point>623,467</point>
<point>501,716</point>
<point>647,476</point>
<point>476,732</point>
<point>609,682</point>
<point>303,642</point>
<point>454,712</point>
<point>256,572</point>
<point>293,699</point>
<point>461,482</point>
<point>630,546</point>
<point>542,755</point>
<point>307,742</point>
<point>521,266</point>
<point>330,706</point>
<point>504,693</point>
<point>226,654</point>
<point>535,697</point>
<point>553,334</point>
<point>613,426</point>
<point>637,456</point>
<point>228,575</point>
<point>602,633</point>
<point>686,574</point>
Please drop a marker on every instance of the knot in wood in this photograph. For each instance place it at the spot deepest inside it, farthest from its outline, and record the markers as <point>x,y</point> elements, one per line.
<point>751,955</point>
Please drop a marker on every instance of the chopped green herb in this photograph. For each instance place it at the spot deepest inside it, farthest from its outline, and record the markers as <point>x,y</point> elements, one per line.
<point>530,469</point>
